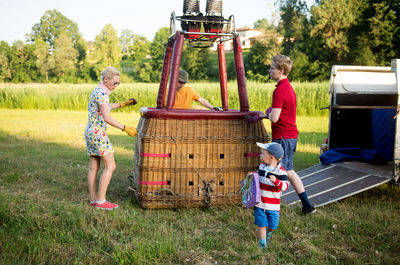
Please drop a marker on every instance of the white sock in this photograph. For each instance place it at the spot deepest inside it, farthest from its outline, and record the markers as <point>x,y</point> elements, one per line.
<point>91,202</point>
<point>101,202</point>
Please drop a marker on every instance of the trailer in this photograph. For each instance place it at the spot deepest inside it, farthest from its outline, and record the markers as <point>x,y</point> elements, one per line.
<point>364,133</point>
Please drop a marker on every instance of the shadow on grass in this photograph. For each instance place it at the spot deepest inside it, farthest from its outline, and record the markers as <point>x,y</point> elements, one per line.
<point>57,170</point>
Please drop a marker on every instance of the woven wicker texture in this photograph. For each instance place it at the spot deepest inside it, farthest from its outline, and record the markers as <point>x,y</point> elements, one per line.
<point>193,163</point>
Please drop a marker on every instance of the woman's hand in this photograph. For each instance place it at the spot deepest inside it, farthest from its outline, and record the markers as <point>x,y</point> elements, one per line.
<point>131,131</point>
<point>129,102</point>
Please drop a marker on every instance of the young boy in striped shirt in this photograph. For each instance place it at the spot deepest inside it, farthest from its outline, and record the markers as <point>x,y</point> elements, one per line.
<point>273,180</point>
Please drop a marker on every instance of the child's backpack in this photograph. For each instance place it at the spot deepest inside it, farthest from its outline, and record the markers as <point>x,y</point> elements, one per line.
<point>250,188</point>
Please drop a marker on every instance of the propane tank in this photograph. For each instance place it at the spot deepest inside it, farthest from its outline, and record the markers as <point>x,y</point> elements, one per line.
<point>192,18</point>
<point>191,7</point>
<point>214,18</point>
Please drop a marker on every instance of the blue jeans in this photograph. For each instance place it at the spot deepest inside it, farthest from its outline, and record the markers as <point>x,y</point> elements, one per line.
<point>289,147</point>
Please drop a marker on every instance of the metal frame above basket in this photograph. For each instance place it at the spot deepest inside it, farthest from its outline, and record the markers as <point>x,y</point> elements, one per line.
<point>203,31</point>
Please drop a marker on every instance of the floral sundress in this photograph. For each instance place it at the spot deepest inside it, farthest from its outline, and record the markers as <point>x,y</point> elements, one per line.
<point>97,142</point>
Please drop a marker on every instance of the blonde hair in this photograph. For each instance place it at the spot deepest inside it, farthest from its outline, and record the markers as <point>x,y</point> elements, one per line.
<point>283,63</point>
<point>109,72</point>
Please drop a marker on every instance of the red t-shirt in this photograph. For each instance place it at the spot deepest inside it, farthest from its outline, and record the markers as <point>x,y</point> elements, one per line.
<point>284,98</point>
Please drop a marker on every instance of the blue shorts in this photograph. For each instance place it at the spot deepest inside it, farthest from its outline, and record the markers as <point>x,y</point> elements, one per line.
<point>289,147</point>
<point>266,218</point>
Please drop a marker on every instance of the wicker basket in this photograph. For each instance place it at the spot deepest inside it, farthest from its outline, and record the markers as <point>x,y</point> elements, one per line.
<point>194,160</point>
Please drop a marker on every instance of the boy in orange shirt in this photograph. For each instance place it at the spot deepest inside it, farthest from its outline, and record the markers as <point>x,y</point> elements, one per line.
<point>185,94</point>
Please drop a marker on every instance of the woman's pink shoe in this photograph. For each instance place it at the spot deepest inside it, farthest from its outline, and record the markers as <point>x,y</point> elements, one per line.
<point>106,206</point>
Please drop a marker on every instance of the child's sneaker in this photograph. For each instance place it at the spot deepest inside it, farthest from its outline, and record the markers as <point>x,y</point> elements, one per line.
<point>263,244</point>
<point>106,206</point>
<point>268,238</point>
<point>92,203</point>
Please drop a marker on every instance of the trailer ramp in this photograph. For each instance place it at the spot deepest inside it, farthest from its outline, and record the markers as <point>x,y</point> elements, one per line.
<point>325,184</point>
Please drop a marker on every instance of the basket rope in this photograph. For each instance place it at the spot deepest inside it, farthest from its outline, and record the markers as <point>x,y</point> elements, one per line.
<point>207,185</point>
<point>207,200</point>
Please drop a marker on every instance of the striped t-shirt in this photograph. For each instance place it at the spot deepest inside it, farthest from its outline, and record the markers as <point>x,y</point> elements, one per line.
<point>271,191</point>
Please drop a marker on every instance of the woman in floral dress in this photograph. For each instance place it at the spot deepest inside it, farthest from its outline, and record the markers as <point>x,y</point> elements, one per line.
<point>98,145</point>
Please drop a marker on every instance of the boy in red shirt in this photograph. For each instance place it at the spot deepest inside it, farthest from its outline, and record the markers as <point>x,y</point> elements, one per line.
<point>282,115</point>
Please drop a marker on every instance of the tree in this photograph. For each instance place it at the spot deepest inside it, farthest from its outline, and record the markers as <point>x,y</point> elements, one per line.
<point>374,36</point>
<point>144,72</point>
<point>5,73</point>
<point>17,62</point>
<point>82,65</point>
<point>382,33</point>
<point>107,50</point>
<point>157,50</point>
<point>332,20</point>
<point>126,39</point>
<point>196,62</point>
<point>259,57</point>
<point>22,62</point>
<point>261,24</point>
<point>51,25</point>
<point>42,58</point>
<point>292,24</point>
<point>140,48</point>
<point>63,59</point>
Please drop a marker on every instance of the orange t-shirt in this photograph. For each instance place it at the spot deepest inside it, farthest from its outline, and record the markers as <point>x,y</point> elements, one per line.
<point>184,98</point>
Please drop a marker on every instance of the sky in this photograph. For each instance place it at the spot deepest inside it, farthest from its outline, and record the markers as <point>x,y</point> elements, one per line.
<point>142,17</point>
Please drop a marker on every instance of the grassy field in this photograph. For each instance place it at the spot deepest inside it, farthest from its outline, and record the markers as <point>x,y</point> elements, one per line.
<point>45,217</point>
<point>310,96</point>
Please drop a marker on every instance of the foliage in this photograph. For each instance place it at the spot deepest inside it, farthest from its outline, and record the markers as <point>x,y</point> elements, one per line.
<point>107,50</point>
<point>134,61</point>
<point>157,50</point>
<point>42,57</point>
<point>5,73</point>
<point>292,23</point>
<point>376,33</point>
<point>51,25</point>
<point>140,48</point>
<point>334,25</point>
<point>258,59</point>
<point>349,32</point>
<point>63,58</point>
<point>196,62</point>
<point>126,40</point>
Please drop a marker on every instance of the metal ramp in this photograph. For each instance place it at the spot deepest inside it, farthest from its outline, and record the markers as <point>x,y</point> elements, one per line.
<point>325,184</point>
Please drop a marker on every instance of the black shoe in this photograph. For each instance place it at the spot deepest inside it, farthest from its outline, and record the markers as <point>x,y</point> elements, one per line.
<point>309,210</point>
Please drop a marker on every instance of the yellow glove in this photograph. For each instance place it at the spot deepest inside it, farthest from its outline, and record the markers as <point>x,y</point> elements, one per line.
<point>131,131</point>
<point>129,102</point>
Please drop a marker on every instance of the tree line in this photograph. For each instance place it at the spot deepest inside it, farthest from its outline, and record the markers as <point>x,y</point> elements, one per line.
<point>351,32</point>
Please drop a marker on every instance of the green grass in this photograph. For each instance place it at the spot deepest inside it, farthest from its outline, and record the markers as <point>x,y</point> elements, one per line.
<point>45,218</point>
<point>310,96</point>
